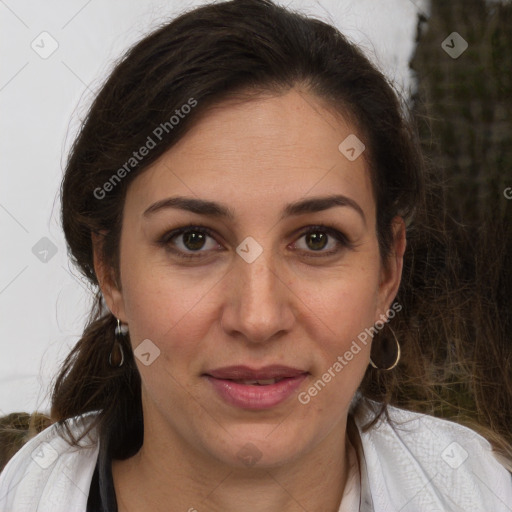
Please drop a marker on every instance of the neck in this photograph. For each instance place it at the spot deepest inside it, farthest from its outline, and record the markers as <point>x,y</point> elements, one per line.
<point>176,476</point>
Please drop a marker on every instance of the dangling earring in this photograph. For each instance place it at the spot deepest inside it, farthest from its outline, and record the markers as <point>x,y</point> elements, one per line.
<point>398,353</point>
<point>118,342</point>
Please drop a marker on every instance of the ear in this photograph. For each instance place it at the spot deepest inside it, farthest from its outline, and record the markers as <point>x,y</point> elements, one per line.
<point>391,269</point>
<point>106,278</point>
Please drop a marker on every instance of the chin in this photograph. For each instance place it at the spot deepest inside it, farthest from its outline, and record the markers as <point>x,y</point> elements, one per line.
<point>260,446</point>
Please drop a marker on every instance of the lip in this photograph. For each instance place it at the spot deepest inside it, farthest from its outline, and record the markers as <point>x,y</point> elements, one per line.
<point>255,397</point>
<point>241,372</point>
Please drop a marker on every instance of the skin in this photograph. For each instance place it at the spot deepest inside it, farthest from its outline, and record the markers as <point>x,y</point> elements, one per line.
<point>283,308</point>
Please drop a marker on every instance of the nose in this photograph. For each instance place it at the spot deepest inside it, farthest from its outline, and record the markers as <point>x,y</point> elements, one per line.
<point>259,301</point>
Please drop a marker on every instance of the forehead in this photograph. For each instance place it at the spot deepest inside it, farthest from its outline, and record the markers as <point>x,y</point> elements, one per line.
<point>260,153</point>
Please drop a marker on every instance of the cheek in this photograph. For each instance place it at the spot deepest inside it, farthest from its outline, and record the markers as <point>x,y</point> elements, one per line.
<point>342,310</point>
<point>341,345</point>
<point>345,300</point>
<point>169,306</point>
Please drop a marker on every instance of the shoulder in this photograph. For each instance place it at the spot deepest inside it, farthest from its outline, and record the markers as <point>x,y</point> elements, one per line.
<point>47,474</point>
<point>420,462</point>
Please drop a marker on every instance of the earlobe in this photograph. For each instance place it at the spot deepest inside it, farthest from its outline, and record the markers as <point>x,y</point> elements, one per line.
<point>106,278</point>
<point>391,272</point>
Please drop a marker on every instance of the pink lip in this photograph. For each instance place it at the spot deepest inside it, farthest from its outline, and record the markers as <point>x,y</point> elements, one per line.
<point>256,397</point>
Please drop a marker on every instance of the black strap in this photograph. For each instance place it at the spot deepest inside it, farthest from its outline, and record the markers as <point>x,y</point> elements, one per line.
<point>102,496</point>
<point>94,500</point>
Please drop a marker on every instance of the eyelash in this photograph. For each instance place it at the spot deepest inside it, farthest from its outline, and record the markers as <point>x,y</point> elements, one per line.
<point>343,241</point>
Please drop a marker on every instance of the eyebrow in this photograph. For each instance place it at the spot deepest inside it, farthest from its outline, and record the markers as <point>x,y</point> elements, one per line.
<point>217,210</point>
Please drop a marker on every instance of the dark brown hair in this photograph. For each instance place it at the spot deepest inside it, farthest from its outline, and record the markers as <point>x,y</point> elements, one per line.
<point>212,54</point>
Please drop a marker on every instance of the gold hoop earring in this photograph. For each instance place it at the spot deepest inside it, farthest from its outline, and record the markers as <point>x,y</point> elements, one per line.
<point>398,354</point>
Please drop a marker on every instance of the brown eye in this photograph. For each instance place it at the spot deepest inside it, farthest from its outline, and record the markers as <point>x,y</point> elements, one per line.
<point>193,240</point>
<point>318,238</point>
<point>186,241</point>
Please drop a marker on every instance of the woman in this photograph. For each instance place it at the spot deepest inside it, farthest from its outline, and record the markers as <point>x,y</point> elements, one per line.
<point>239,193</point>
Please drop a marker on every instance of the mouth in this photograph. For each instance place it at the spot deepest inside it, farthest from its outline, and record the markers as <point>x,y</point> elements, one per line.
<point>263,375</point>
<point>263,382</point>
<point>248,388</point>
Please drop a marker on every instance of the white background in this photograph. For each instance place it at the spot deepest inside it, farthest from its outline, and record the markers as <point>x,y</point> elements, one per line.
<point>44,306</point>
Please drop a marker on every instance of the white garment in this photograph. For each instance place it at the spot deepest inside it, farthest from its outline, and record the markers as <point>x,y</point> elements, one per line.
<point>426,465</point>
<point>352,492</point>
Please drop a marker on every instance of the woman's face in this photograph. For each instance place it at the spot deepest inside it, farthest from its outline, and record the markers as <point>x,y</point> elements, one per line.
<point>256,290</point>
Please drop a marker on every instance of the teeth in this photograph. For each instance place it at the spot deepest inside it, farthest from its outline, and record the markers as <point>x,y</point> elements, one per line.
<point>265,382</point>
